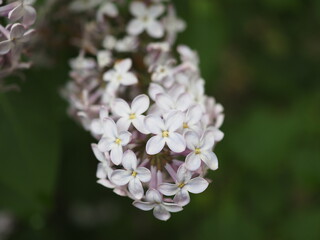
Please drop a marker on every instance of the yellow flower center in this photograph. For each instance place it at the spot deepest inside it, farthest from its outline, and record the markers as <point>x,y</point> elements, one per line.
<point>119,78</point>
<point>165,134</point>
<point>181,185</point>
<point>197,151</point>
<point>132,116</point>
<point>118,141</point>
<point>185,125</point>
<point>134,173</point>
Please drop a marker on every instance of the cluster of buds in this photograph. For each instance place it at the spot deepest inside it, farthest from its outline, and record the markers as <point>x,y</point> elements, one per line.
<point>18,16</point>
<point>143,99</point>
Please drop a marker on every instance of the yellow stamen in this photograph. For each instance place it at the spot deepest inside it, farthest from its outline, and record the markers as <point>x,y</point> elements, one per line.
<point>132,116</point>
<point>181,185</point>
<point>165,134</point>
<point>119,78</point>
<point>197,151</point>
<point>118,141</point>
<point>134,173</point>
<point>185,125</point>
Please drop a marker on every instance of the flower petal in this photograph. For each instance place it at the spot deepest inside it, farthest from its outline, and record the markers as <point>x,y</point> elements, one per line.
<point>121,177</point>
<point>101,172</point>
<point>30,15</point>
<point>183,174</point>
<point>17,31</point>
<point>105,144</point>
<point>138,9</point>
<point>184,101</point>
<point>135,188</point>
<point>154,124</point>
<point>161,213</point>
<point>123,66</point>
<point>143,174</point>
<point>154,196</point>
<point>121,108</point>
<point>192,140</point>
<point>193,161</point>
<point>197,185</point>
<point>207,140</point>
<point>210,159</point>
<point>168,189</point>
<point>129,79</point>
<point>135,27</point>
<point>123,123</point>
<point>155,29</point>
<point>129,160</point>
<point>144,206</point>
<point>116,154</point>
<point>99,155</point>
<point>172,207</point>
<point>125,137</point>
<point>176,142</point>
<point>110,128</point>
<point>106,183</point>
<point>155,145</point>
<point>5,47</point>
<point>156,10</point>
<point>140,104</point>
<point>164,101</point>
<point>182,198</point>
<point>138,123</point>
<point>174,120</point>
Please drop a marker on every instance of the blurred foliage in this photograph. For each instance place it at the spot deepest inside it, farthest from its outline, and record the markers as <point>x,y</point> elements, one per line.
<point>261,59</point>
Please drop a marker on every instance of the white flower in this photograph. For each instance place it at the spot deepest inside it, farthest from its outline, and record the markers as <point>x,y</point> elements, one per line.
<point>146,19</point>
<point>184,184</point>
<point>113,140</point>
<point>173,25</point>
<point>161,209</point>
<point>192,118</point>
<point>104,58</point>
<point>18,35</point>
<point>120,74</point>
<point>109,9</point>
<point>171,103</point>
<point>166,133</point>
<point>25,11</point>
<point>96,125</point>
<point>132,175</point>
<point>132,114</point>
<point>201,150</point>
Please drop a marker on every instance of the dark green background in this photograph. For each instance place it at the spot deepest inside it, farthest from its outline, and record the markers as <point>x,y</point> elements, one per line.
<point>261,60</point>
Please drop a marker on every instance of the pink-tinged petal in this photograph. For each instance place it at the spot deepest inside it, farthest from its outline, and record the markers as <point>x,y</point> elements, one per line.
<point>193,161</point>
<point>155,145</point>
<point>123,66</point>
<point>143,174</point>
<point>194,114</point>
<point>154,90</point>
<point>16,13</point>
<point>182,198</point>
<point>210,159</point>
<point>138,9</point>
<point>174,120</point>
<point>129,79</point>
<point>121,108</point>
<point>154,124</point>
<point>168,189</point>
<point>171,207</point>
<point>27,36</point>
<point>140,104</point>
<point>155,29</point>
<point>4,10</point>
<point>116,154</point>
<point>184,101</point>
<point>164,101</point>
<point>106,183</point>
<point>161,213</point>
<point>144,206</point>
<point>30,16</point>
<point>183,174</point>
<point>138,123</point>
<point>5,47</point>
<point>103,113</point>
<point>153,196</point>
<point>135,27</point>
<point>125,137</point>
<point>197,185</point>
<point>123,123</point>
<point>110,128</point>
<point>207,140</point>
<point>176,142</point>
<point>135,188</point>
<point>192,140</point>
<point>156,10</point>
<point>121,177</point>
<point>101,172</point>
<point>129,160</point>
<point>17,31</point>
<point>99,155</point>
<point>105,144</point>
<point>109,76</point>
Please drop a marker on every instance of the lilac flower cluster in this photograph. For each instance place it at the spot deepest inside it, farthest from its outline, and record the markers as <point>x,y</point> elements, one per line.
<point>142,97</point>
<point>19,17</point>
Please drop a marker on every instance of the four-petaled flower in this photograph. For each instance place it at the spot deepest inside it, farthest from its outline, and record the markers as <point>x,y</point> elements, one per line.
<point>166,133</point>
<point>113,140</point>
<point>184,184</point>
<point>161,209</point>
<point>120,74</point>
<point>146,19</point>
<point>201,148</point>
<point>132,175</point>
<point>132,114</point>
